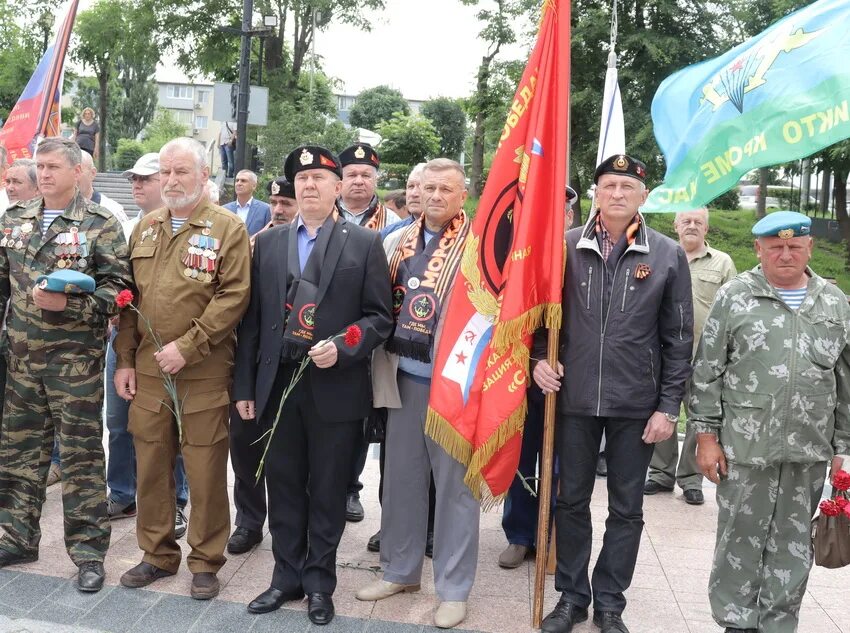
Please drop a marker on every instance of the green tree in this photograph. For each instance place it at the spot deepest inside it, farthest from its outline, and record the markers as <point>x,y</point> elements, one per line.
<point>162,129</point>
<point>408,139</point>
<point>99,36</point>
<point>449,119</point>
<point>376,105</point>
<point>200,47</point>
<point>138,56</point>
<point>17,63</point>
<point>498,31</point>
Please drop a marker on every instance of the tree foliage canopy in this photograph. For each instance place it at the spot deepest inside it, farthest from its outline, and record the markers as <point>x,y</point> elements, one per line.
<point>408,139</point>
<point>449,120</point>
<point>376,105</point>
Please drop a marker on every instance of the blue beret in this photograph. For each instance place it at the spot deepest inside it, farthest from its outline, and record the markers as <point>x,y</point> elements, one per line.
<point>67,281</point>
<point>784,224</point>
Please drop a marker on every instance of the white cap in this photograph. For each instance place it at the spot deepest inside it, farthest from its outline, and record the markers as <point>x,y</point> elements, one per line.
<point>145,166</point>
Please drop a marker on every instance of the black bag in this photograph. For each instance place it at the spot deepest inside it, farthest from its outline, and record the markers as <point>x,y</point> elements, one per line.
<point>376,426</point>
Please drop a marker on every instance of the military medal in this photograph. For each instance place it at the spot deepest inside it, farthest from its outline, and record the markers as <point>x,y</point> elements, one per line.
<point>5,241</point>
<point>413,283</point>
<point>16,234</point>
<point>206,230</point>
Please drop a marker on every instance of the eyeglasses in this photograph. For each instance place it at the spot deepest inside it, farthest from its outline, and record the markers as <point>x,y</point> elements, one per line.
<point>142,179</point>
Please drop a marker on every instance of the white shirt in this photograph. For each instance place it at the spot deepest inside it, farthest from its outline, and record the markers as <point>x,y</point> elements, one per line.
<point>241,211</point>
<point>226,134</point>
<point>4,201</point>
<point>114,207</point>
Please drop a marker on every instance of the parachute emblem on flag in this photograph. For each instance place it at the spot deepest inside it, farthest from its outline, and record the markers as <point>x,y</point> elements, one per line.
<point>748,71</point>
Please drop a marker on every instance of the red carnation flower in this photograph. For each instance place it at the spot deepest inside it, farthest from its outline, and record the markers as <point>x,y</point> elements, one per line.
<point>124,298</point>
<point>841,502</point>
<point>353,335</point>
<point>841,480</point>
<point>829,508</point>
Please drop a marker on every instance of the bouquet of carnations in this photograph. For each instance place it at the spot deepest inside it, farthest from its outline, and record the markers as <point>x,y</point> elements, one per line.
<point>831,528</point>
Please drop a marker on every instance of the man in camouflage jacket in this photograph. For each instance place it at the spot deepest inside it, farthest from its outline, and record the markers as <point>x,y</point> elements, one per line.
<point>55,344</point>
<point>770,401</point>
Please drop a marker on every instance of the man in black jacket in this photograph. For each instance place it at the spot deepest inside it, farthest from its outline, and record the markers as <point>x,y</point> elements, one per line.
<point>329,274</point>
<point>626,346</point>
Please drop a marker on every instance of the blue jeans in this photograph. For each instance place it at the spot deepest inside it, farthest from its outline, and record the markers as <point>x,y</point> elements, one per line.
<point>121,464</point>
<point>228,164</point>
<point>519,519</point>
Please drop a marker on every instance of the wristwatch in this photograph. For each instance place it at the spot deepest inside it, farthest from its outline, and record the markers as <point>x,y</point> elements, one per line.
<point>671,418</point>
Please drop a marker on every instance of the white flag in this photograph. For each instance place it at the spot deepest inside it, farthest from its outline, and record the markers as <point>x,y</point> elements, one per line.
<point>612,134</point>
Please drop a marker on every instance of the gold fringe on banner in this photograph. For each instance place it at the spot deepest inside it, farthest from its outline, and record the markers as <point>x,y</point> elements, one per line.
<point>443,433</point>
<point>474,477</point>
<point>509,333</point>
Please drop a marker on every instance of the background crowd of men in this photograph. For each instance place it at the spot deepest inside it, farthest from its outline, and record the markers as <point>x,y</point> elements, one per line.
<point>260,311</point>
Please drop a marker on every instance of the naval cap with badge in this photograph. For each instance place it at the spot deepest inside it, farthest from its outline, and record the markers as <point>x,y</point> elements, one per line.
<point>360,154</point>
<point>621,165</point>
<point>281,187</point>
<point>783,224</point>
<point>310,157</point>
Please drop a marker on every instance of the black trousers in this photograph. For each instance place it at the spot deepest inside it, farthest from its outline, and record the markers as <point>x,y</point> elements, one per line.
<point>249,494</point>
<point>307,471</point>
<point>577,444</point>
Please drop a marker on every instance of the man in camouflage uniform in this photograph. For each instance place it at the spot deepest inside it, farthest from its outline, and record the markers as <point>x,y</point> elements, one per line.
<point>770,402</point>
<point>56,345</point>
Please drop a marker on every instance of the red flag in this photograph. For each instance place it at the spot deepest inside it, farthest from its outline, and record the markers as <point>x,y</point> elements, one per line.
<point>37,113</point>
<point>511,276</point>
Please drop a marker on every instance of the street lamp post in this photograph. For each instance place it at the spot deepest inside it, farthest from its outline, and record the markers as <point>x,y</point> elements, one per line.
<point>244,85</point>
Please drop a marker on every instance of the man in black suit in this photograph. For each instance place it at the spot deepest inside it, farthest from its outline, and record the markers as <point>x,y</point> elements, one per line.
<point>329,274</point>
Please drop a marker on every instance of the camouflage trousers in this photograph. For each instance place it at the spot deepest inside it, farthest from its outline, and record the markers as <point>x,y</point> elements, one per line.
<point>763,553</point>
<point>37,409</point>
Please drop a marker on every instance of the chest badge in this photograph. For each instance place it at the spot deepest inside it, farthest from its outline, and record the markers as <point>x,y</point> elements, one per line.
<point>642,271</point>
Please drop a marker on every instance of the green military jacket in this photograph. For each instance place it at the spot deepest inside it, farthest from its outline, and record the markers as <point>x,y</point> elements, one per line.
<point>72,342</point>
<point>771,382</point>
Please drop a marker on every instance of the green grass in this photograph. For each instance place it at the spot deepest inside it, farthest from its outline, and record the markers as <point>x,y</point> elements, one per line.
<point>729,231</point>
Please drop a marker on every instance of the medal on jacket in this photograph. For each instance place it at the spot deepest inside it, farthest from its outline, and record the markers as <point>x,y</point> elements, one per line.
<point>16,238</point>
<point>7,234</point>
<point>642,271</point>
<point>200,256</point>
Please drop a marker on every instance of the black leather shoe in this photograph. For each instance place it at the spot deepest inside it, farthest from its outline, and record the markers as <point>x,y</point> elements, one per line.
<point>374,544</point>
<point>564,617</point>
<point>602,466</point>
<point>11,558</point>
<point>91,576</point>
<point>695,498</point>
<point>353,508</point>
<point>243,540</point>
<point>272,599</point>
<point>609,622</point>
<point>429,545</point>
<point>653,488</point>
<point>320,608</point>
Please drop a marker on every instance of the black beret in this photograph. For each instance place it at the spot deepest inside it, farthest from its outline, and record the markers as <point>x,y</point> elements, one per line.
<point>310,157</point>
<point>282,187</point>
<point>572,196</point>
<point>621,165</point>
<point>360,154</point>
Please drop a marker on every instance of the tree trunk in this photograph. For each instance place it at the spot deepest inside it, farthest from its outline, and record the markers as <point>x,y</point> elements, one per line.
<point>761,201</point>
<point>840,193</point>
<point>103,101</point>
<point>575,183</point>
<point>823,202</point>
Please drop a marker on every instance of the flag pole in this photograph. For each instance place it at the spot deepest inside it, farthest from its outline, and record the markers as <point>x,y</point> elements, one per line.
<point>547,462</point>
<point>544,488</point>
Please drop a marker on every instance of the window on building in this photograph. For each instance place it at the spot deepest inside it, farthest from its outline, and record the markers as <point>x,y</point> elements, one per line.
<point>201,122</point>
<point>184,117</point>
<point>179,92</point>
<point>203,97</point>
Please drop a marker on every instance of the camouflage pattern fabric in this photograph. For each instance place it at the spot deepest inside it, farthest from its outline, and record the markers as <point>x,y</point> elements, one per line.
<point>55,377</point>
<point>34,410</point>
<point>764,547</point>
<point>771,382</point>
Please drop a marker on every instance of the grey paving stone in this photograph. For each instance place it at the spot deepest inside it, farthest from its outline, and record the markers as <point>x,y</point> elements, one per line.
<point>56,612</point>
<point>69,596</point>
<point>340,624</point>
<point>7,576</point>
<point>36,626</point>
<point>28,590</point>
<point>382,626</point>
<point>281,621</point>
<point>223,616</point>
<point>172,614</point>
<point>12,612</point>
<point>120,610</point>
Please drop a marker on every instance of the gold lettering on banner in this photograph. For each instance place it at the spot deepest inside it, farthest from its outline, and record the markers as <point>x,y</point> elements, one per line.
<point>519,106</point>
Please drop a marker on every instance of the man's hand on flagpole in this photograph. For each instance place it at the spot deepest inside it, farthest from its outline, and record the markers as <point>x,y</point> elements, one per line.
<point>547,378</point>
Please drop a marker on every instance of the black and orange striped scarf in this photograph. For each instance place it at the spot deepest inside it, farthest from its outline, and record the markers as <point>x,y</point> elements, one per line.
<point>631,234</point>
<point>421,276</point>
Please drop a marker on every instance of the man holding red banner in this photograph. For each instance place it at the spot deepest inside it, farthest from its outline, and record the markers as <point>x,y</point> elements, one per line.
<point>423,267</point>
<point>626,340</point>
